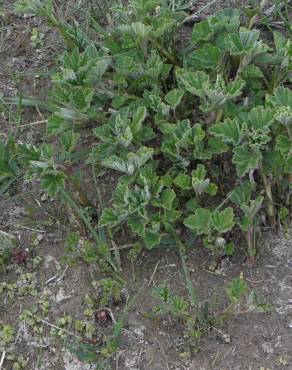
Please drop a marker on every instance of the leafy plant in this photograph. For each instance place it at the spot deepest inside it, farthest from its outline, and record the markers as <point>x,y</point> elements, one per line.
<point>197,139</point>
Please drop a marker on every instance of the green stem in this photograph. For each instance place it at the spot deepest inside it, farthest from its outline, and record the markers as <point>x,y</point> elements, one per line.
<point>268,190</point>
<point>251,248</point>
<point>219,115</point>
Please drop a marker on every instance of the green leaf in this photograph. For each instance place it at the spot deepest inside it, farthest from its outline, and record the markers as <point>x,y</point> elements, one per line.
<point>284,145</point>
<point>234,88</point>
<point>281,97</point>
<point>172,215</point>
<point>208,57</point>
<point>108,218</point>
<point>137,120</point>
<point>261,118</point>
<point>236,289</point>
<point>183,181</point>
<point>228,131</point>
<point>280,41</point>
<point>81,97</point>
<point>199,183</point>
<point>244,42</point>
<point>167,198</point>
<point>211,189</point>
<point>192,205</point>
<point>140,30</point>
<point>174,97</point>
<point>52,183</point>
<point>193,82</point>
<point>199,222</point>
<point>225,20</point>
<point>223,221</point>
<point>132,162</point>
<point>251,209</point>
<point>137,225</point>
<point>245,160</point>
<point>55,125</point>
<point>241,194</point>
<point>201,32</point>
<point>151,239</point>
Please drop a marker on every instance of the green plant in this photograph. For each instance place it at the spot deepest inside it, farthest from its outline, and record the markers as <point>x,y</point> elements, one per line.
<point>9,166</point>
<point>199,137</point>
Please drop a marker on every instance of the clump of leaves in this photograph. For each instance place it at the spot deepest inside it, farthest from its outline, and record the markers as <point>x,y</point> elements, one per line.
<point>199,136</point>
<point>183,129</point>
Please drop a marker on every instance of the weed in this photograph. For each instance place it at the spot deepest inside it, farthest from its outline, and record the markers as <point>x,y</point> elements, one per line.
<point>200,138</point>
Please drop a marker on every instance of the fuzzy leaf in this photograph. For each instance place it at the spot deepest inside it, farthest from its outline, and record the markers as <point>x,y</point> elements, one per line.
<point>284,145</point>
<point>208,57</point>
<point>174,97</point>
<point>108,218</point>
<point>183,181</point>
<point>151,239</point>
<point>167,198</point>
<point>241,194</point>
<point>260,118</point>
<point>250,210</point>
<point>137,225</point>
<point>234,88</point>
<point>199,222</point>
<point>228,131</point>
<point>201,32</point>
<point>281,97</point>
<point>193,82</point>
<point>245,160</point>
<point>132,162</point>
<point>137,120</point>
<point>140,30</point>
<point>53,182</point>
<point>223,221</point>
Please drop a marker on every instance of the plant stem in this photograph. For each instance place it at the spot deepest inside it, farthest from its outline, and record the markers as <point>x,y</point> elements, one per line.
<point>251,248</point>
<point>268,190</point>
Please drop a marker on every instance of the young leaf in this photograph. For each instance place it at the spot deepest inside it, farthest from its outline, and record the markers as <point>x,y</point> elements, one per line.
<point>241,194</point>
<point>53,182</point>
<point>183,181</point>
<point>199,222</point>
<point>245,160</point>
<point>199,183</point>
<point>151,239</point>
<point>174,97</point>
<point>167,198</point>
<point>193,82</point>
<point>260,118</point>
<point>236,289</point>
<point>284,145</point>
<point>228,131</point>
<point>108,218</point>
<point>252,209</point>
<point>137,120</point>
<point>223,221</point>
<point>201,32</point>
<point>132,162</point>
<point>208,57</point>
